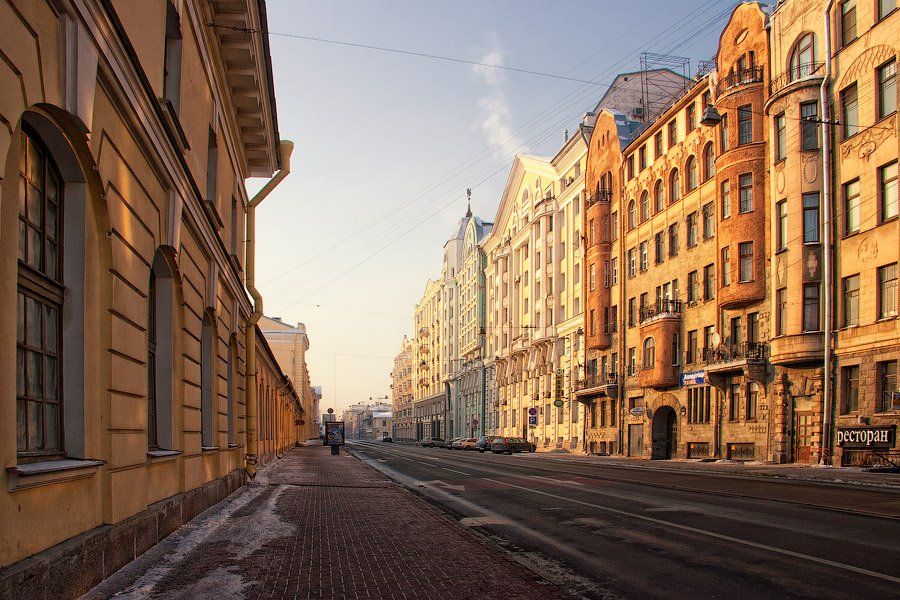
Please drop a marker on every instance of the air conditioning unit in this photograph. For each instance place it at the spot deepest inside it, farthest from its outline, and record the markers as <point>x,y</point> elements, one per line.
<point>638,112</point>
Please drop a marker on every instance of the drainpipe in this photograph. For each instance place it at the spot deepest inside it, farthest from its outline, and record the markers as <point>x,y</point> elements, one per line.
<point>250,459</point>
<point>825,455</point>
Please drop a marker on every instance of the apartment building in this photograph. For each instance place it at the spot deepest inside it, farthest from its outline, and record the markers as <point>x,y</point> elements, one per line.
<point>428,367</point>
<point>289,345</point>
<point>402,393</point>
<point>129,129</point>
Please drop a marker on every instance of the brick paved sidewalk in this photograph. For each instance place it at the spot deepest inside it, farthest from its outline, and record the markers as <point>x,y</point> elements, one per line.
<point>796,472</point>
<point>317,526</point>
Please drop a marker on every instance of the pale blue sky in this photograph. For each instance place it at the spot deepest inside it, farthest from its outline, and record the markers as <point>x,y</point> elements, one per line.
<point>386,145</point>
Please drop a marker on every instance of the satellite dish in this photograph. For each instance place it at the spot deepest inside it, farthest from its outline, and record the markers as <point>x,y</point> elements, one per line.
<point>716,338</point>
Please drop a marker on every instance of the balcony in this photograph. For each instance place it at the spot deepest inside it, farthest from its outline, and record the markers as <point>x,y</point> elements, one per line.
<point>599,196</point>
<point>740,78</point>
<point>796,74</point>
<point>596,384</point>
<point>748,358</point>
<point>662,309</point>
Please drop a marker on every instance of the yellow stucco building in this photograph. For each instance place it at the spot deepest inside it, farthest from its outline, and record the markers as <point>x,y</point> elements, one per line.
<point>128,129</point>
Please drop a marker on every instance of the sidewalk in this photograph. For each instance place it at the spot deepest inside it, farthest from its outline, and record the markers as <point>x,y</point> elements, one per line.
<point>317,526</point>
<point>790,472</point>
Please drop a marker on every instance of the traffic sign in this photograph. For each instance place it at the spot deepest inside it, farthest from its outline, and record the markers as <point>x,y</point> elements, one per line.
<point>532,420</point>
<point>532,411</point>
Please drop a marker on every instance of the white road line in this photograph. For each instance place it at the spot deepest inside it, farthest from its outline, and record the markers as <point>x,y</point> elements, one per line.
<point>455,471</point>
<point>556,480</point>
<point>711,534</point>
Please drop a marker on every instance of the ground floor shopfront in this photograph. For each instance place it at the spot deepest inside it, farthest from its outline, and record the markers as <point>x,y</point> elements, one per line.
<point>430,417</point>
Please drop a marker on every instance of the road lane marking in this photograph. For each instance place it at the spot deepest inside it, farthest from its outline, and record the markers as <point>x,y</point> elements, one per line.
<point>556,480</point>
<point>455,471</point>
<point>712,534</point>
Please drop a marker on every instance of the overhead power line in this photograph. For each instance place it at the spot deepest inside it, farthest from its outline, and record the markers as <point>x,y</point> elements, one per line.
<point>415,53</point>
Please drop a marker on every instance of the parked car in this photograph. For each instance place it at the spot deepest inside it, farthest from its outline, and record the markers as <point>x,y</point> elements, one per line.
<point>508,445</point>
<point>468,444</point>
<point>434,442</point>
<point>451,442</point>
<point>387,438</point>
<point>484,443</point>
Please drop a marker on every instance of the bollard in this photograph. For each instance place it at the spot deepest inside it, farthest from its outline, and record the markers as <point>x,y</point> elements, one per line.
<point>335,450</point>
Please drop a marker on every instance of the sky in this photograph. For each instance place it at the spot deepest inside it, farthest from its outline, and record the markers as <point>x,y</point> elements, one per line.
<point>387,143</point>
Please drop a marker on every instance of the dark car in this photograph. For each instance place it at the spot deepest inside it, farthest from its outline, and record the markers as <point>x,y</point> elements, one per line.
<point>387,438</point>
<point>484,443</point>
<point>508,445</point>
<point>432,442</point>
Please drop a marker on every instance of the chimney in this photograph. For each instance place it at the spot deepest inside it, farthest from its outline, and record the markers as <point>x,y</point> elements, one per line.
<point>565,135</point>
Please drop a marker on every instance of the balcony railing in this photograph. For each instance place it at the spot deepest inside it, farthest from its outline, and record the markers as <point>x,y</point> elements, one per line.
<point>739,78</point>
<point>662,307</point>
<point>595,380</point>
<point>725,353</point>
<point>604,196</point>
<point>795,73</point>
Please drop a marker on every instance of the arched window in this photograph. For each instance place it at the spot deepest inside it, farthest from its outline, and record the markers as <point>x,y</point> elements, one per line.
<point>674,186</point>
<point>160,354</point>
<point>691,169</point>
<point>659,200</point>
<point>709,162</point>
<point>803,58</point>
<point>207,380</point>
<point>649,354</point>
<point>232,385</point>
<point>645,206</point>
<point>631,215</point>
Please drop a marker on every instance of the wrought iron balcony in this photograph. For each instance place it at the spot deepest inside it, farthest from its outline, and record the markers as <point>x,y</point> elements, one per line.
<point>740,78</point>
<point>661,307</point>
<point>796,73</point>
<point>603,196</point>
<point>595,380</point>
<point>727,353</point>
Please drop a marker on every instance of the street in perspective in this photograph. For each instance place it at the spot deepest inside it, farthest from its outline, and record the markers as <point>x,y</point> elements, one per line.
<point>470,300</point>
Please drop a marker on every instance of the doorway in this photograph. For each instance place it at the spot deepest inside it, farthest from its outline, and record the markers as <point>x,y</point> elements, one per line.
<point>636,440</point>
<point>804,451</point>
<point>665,433</point>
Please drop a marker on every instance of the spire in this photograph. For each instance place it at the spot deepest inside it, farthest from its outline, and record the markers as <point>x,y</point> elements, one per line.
<point>469,197</point>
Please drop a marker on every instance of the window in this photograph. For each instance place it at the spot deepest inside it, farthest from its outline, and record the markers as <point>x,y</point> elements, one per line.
<point>691,168</point>
<point>849,111</point>
<point>691,354</point>
<point>614,226</point>
<point>887,192</point>
<point>674,186</point>
<point>231,387</point>
<point>734,400</point>
<point>160,354</point>
<point>676,349</point>
<point>691,116</point>
<point>172,58</point>
<point>850,377</point>
<point>658,144</point>
<point>632,262</point>
<point>709,282</point>
<point>631,316</point>
<point>645,259</point>
<point>886,374</point>
<point>642,158</point>
<point>851,300</point>
<point>632,360</point>
<point>615,270</point>
<point>659,246</point>
<point>645,206</point>
<point>851,207</point>
<point>630,166</point>
<point>752,399</point>
<point>692,230</point>
<point>745,265</point>
<point>735,331</point>
<point>632,217</point>
<point>709,224</point>
<point>592,323</point>
<point>887,89</point>
<point>726,199</point>
<point>753,327</point>
<point>780,138</point>
<point>673,240</point>
<point>726,266</point>
<point>39,303</point>
<point>745,193</point>
<point>887,291</point>
<point>803,58</point>
<point>811,311</point>
<point>212,169</point>
<point>673,132</point>
<point>809,126</point>
<point>659,202</point>
<point>745,125</point>
<point>781,225</point>
<point>649,354</point>
<point>780,311</point>
<point>848,22</point>
<point>723,133</point>
<point>709,162</point>
<point>885,7</point>
<point>592,277</point>
<point>811,218</point>
<point>692,286</point>
<point>207,380</point>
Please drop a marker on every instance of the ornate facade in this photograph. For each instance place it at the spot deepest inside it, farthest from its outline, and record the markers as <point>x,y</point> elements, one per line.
<point>402,393</point>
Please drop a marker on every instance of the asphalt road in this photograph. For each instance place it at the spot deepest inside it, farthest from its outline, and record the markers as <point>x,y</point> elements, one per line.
<point>609,532</point>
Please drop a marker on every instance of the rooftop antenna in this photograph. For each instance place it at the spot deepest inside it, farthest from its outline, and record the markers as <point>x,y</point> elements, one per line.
<point>469,198</point>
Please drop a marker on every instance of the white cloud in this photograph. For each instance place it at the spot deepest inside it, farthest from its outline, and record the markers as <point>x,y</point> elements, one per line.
<point>494,119</point>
